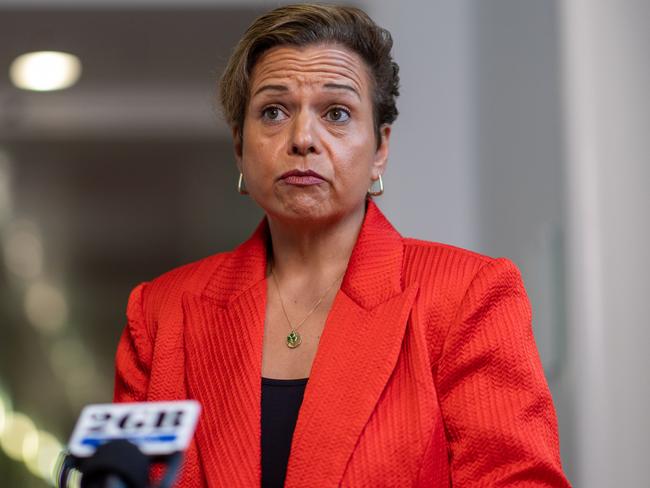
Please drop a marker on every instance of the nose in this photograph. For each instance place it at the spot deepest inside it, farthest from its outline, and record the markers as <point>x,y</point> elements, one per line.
<point>303,136</point>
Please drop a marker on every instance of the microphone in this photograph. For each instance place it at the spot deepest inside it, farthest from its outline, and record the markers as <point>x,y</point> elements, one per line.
<point>114,445</point>
<point>116,464</point>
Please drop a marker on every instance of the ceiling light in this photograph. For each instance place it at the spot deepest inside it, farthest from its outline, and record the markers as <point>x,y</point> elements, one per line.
<point>45,70</point>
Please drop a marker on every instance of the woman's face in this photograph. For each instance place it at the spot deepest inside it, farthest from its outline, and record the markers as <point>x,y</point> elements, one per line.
<point>310,110</point>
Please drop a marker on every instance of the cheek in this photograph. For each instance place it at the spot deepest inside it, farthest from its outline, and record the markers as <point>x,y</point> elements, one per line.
<point>258,151</point>
<point>355,159</point>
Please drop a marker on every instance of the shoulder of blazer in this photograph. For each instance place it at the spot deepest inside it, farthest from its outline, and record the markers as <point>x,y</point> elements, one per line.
<point>426,261</point>
<point>163,294</point>
<point>444,274</point>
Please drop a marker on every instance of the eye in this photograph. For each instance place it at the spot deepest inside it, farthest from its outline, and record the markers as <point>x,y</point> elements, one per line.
<point>273,113</point>
<point>338,114</point>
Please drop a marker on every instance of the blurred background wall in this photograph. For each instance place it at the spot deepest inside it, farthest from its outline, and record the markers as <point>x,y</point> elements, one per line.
<point>523,132</point>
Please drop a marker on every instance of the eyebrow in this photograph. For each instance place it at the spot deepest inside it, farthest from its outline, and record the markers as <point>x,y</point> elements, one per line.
<point>283,88</point>
<point>338,86</point>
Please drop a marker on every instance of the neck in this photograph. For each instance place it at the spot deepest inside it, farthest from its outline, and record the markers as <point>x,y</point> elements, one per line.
<point>313,253</point>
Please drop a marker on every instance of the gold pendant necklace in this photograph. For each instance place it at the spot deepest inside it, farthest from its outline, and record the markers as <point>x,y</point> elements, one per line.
<point>293,339</point>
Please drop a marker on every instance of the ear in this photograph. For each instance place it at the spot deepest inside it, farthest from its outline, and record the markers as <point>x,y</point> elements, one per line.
<point>381,154</point>
<point>237,143</point>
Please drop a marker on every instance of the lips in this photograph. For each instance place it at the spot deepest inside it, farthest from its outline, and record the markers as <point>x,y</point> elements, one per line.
<point>302,178</point>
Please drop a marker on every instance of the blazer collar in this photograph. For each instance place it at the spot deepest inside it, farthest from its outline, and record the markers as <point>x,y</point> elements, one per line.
<point>373,274</point>
<point>357,353</point>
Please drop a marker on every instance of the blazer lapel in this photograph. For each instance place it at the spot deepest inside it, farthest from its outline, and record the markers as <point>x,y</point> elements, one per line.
<point>224,328</point>
<point>356,356</point>
<point>357,353</point>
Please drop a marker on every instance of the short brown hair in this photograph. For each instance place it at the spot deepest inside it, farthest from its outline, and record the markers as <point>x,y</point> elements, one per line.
<point>305,24</point>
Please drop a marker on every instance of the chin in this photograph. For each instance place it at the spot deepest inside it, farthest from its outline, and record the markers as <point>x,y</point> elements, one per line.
<point>307,213</point>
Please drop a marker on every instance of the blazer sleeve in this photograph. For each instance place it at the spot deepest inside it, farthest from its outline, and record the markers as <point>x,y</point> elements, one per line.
<point>134,353</point>
<point>498,412</point>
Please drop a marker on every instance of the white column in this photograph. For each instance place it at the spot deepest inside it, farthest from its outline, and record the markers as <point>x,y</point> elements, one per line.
<point>607,103</point>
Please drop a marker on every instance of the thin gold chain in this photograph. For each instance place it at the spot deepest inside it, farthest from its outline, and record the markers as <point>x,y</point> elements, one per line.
<point>312,310</point>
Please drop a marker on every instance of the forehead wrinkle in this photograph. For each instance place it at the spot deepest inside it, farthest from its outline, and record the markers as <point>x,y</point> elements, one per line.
<point>289,63</point>
<point>311,78</point>
<point>300,77</point>
<point>315,65</point>
<point>309,53</point>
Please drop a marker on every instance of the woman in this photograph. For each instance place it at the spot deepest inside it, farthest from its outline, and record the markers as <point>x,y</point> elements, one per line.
<point>398,362</point>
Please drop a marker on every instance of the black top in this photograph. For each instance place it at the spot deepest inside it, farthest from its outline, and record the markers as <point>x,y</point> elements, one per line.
<point>281,401</point>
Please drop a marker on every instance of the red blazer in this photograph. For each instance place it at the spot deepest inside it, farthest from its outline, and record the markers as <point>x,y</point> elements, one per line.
<point>426,375</point>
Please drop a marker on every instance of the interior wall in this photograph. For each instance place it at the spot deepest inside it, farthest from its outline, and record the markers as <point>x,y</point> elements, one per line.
<point>430,181</point>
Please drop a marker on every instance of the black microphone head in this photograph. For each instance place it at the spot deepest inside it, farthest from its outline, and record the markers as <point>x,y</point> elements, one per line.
<point>119,458</point>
